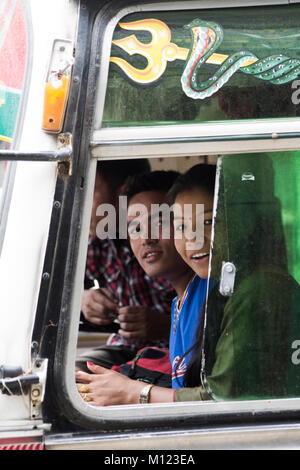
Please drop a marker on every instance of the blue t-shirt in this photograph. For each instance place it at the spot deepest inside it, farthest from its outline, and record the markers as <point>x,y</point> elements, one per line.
<point>183,337</point>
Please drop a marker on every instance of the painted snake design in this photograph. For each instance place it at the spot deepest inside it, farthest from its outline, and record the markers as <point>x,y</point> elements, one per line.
<point>207,37</point>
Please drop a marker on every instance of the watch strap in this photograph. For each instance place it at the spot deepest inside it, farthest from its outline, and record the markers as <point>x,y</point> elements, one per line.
<point>145,393</point>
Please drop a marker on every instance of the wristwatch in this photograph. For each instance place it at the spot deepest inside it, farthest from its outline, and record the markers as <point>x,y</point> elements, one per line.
<point>145,393</point>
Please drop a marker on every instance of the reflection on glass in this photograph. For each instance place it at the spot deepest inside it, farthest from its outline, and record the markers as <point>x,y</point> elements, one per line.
<point>2,171</point>
<point>13,58</point>
<point>252,337</point>
<point>204,65</point>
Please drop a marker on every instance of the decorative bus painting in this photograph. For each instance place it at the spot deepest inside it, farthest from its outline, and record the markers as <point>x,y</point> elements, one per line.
<point>84,82</point>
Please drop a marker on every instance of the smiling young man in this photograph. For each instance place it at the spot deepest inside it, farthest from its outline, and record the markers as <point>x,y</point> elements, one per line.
<point>150,234</point>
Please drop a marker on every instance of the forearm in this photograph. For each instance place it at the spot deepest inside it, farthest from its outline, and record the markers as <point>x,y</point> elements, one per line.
<point>161,395</point>
<point>104,387</point>
<point>167,395</point>
<point>155,395</point>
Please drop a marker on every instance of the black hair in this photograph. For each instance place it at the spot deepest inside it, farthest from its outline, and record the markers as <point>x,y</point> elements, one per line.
<point>158,180</point>
<point>201,175</point>
<point>116,172</point>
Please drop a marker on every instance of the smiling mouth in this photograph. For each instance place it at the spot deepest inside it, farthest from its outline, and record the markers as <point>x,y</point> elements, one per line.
<point>151,254</point>
<point>199,256</point>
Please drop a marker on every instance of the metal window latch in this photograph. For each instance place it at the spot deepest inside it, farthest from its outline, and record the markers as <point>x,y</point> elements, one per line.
<point>37,390</point>
<point>227,279</point>
<point>14,381</point>
<point>65,150</point>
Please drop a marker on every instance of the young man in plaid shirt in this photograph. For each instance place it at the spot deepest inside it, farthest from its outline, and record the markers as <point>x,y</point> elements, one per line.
<point>122,282</point>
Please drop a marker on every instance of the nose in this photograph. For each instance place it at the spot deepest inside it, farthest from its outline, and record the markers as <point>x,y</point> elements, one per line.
<point>195,233</point>
<point>149,241</point>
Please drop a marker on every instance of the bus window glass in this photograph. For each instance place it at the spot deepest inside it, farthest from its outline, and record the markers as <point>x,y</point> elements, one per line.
<point>2,171</point>
<point>13,57</point>
<point>169,67</point>
<point>252,329</point>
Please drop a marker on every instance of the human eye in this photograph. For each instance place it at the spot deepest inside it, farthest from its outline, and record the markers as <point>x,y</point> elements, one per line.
<point>134,229</point>
<point>208,222</point>
<point>159,222</point>
<point>179,227</point>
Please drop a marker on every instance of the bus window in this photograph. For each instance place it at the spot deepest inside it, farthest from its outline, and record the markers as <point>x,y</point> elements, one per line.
<point>251,348</point>
<point>169,67</point>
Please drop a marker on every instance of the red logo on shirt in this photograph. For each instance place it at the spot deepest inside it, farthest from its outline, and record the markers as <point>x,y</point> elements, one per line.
<point>180,369</point>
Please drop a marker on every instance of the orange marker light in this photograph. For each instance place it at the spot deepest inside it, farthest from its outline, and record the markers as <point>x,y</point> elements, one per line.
<point>55,99</point>
<point>57,85</point>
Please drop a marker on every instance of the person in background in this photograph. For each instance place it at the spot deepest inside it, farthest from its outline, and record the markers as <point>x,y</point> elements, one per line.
<point>115,279</point>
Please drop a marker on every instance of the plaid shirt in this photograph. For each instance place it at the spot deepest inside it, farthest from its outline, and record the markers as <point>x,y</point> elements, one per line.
<point>112,263</point>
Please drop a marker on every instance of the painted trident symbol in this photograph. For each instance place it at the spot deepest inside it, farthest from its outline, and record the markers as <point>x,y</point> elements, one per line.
<point>158,52</point>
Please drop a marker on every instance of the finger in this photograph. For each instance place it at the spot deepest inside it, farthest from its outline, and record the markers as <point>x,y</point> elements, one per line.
<point>96,369</point>
<point>101,300</point>
<point>131,334</point>
<point>128,326</point>
<point>87,397</point>
<point>83,388</point>
<point>97,320</point>
<point>82,377</point>
<point>109,294</point>
<point>131,309</point>
<point>85,392</point>
<point>134,313</point>
<point>95,300</point>
<point>130,318</point>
